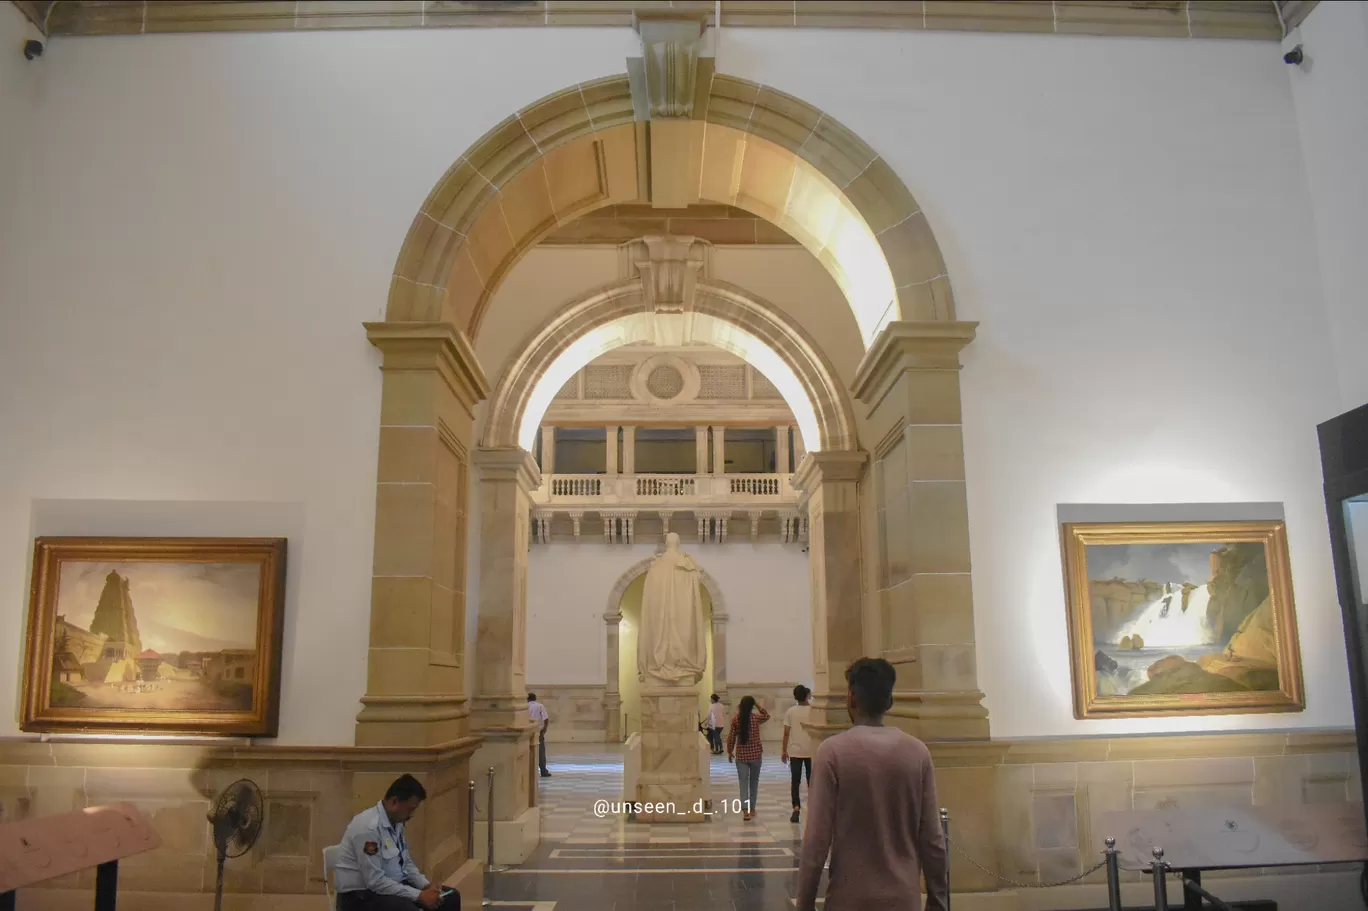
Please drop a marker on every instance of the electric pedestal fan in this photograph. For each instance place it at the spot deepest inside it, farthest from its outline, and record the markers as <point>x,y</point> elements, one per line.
<point>236,821</point>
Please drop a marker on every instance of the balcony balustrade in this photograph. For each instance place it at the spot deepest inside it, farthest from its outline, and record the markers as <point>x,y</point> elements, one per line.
<point>676,491</point>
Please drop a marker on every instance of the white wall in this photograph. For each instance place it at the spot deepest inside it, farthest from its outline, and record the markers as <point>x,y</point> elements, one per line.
<point>203,221</point>
<point>764,586</point>
<point>20,84</point>
<point>1124,218</point>
<point>1330,91</point>
<point>201,225</point>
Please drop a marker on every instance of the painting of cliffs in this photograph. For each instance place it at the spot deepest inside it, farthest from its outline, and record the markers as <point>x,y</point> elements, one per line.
<point>1182,619</point>
<point>159,637</point>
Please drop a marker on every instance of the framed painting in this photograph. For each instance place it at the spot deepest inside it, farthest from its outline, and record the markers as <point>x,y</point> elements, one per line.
<point>1181,619</point>
<point>155,635</point>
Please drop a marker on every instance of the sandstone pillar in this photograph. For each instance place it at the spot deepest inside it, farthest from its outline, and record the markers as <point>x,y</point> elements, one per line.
<point>548,450</point>
<point>612,697</point>
<point>719,645</point>
<point>701,450</point>
<point>500,713</point>
<point>910,380</point>
<point>719,450</point>
<point>781,450</point>
<point>629,450</point>
<point>415,682</point>
<point>830,486</point>
<point>610,438</point>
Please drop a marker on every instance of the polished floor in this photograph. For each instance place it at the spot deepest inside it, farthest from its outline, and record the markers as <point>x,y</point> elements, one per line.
<point>592,863</point>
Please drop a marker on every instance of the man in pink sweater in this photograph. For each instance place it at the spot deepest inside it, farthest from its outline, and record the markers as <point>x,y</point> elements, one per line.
<point>872,803</point>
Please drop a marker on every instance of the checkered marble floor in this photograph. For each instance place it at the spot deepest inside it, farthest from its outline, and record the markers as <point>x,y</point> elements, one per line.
<point>583,774</point>
<point>587,863</point>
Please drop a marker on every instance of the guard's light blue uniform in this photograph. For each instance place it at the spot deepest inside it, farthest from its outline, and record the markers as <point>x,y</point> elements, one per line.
<point>376,858</point>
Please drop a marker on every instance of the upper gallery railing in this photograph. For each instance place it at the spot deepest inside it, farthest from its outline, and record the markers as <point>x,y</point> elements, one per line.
<point>664,489</point>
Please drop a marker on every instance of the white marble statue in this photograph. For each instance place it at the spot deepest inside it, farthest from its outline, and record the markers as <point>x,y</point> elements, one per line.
<point>672,643</point>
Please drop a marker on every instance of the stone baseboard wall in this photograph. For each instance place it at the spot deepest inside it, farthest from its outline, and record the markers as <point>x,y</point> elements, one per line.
<point>1032,810</point>
<point>310,795</point>
<point>579,713</point>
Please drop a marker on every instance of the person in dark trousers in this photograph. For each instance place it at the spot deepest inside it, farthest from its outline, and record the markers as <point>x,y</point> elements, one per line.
<point>375,870</point>
<point>537,712</point>
<point>717,717</point>
<point>873,806</point>
<point>797,746</point>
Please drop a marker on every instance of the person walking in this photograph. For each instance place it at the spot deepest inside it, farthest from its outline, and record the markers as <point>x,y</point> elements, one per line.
<point>537,712</point>
<point>873,806</point>
<point>717,720</point>
<point>743,742</point>
<point>797,746</point>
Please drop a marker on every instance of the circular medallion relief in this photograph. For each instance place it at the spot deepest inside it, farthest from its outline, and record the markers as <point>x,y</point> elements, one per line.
<point>665,382</point>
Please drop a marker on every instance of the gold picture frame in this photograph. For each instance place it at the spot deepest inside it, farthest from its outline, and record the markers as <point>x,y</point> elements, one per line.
<point>155,635</point>
<point>1217,635</point>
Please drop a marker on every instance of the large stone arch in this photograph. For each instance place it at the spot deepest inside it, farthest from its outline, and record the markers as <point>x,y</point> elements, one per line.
<point>622,301</point>
<point>749,145</point>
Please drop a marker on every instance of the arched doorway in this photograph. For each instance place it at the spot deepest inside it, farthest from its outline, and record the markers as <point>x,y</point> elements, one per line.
<point>872,581</point>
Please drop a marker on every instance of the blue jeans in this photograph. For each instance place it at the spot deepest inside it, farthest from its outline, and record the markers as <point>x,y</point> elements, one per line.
<point>749,773</point>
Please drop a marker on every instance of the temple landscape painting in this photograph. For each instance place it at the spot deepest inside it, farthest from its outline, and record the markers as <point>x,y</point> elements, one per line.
<point>157,642</point>
<point>1179,618</point>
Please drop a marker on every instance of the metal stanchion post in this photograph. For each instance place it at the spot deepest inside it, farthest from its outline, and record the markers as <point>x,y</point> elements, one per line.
<point>1113,877</point>
<point>470,824</point>
<point>1160,870</point>
<point>945,828</point>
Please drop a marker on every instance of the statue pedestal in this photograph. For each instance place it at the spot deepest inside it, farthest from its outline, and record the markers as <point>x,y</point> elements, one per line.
<point>667,763</point>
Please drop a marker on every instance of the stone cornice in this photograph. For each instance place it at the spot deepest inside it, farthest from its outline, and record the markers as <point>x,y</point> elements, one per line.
<point>508,464</point>
<point>819,467</point>
<point>930,345</point>
<point>1178,19</point>
<point>432,346</point>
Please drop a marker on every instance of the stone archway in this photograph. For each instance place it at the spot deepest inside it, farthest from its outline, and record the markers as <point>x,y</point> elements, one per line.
<point>745,145</point>
<point>612,618</point>
<point>896,537</point>
<point>512,407</point>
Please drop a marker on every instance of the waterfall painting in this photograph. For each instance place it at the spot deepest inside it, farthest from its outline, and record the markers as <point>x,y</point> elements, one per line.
<point>1181,619</point>
<point>155,634</point>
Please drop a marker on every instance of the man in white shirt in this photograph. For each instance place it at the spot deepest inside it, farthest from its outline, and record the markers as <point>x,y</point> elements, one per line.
<point>797,747</point>
<point>717,720</point>
<point>375,871</point>
<point>537,712</point>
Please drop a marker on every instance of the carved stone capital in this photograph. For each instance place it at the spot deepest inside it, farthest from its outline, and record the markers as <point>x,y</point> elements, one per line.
<point>432,346</point>
<point>511,464</point>
<point>821,467</point>
<point>903,346</point>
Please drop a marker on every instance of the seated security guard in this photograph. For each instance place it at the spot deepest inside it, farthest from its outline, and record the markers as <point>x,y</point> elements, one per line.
<point>375,871</point>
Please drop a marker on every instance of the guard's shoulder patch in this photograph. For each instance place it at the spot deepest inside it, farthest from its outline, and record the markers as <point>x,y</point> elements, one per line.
<point>371,849</point>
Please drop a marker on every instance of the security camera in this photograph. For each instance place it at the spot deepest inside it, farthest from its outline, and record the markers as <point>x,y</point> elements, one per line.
<point>1294,56</point>
<point>33,48</point>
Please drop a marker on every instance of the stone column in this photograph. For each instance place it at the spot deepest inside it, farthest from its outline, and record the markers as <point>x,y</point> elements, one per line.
<point>781,450</point>
<point>612,697</point>
<point>719,450</point>
<point>415,684</point>
<point>719,643</point>
<point>629,450</point>
<point>611,438</point>
<point>548,453</point>
<point>830,486</point>
<point>910,380</point>
<point>701,450</point>
<point>506,478</point>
